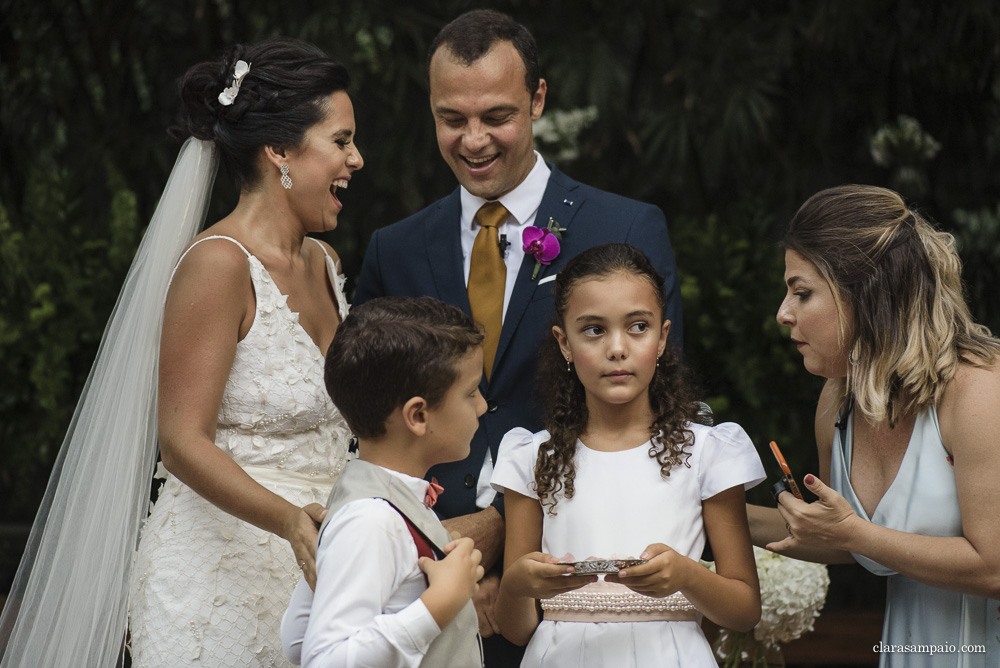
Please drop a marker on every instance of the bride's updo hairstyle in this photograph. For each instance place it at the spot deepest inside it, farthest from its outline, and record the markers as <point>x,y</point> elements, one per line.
<point>671,394</point>
<point>284,93</point>
<point>897,284</point>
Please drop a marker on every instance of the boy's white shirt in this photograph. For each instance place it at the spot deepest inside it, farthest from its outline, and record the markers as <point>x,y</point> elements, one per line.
<point>366,610</point>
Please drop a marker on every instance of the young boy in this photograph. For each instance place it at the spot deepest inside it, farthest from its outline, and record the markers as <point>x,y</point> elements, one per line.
<point>405,375</point>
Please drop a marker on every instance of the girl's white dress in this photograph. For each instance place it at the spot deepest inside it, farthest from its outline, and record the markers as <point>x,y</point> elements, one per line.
<point>621,505</point>
<point>208,588</point>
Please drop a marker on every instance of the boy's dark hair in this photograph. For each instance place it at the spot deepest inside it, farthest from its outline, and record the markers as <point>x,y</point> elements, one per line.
<point>390,350</point>
<point>472,35</point>
<point>671,396</point>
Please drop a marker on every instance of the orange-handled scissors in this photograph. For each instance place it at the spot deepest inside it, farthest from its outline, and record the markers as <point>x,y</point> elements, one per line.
<point>792,486</point>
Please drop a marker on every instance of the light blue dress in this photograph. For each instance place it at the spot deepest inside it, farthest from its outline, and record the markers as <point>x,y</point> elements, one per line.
<point>923,499</point>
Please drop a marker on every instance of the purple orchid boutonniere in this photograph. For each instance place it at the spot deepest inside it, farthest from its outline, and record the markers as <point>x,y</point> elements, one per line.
<point>543,243</point>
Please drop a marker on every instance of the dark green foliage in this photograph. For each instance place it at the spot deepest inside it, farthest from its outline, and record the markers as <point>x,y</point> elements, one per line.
<point>727,115</point>
<point>731,271</point>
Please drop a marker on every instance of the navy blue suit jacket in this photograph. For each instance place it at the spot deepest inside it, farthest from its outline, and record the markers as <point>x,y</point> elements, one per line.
<point>422,255</point>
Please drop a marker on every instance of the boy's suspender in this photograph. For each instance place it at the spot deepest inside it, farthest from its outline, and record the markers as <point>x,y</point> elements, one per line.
<point>424,547</point>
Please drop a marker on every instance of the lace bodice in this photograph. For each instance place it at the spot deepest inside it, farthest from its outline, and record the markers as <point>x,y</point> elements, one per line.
<point>275,392</point>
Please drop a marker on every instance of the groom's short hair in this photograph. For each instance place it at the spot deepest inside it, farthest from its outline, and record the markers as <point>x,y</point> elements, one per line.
<point>390,350</point>
<point>473,34</point>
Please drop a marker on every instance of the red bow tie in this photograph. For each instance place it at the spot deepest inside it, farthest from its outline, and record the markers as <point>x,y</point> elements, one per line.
<point>433,489</point>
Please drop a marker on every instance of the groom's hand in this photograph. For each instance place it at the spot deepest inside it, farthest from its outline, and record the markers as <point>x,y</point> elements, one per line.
<point>484,601</point>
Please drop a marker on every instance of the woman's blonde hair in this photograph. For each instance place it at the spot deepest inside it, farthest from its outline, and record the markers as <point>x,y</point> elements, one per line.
<point>901,281</point>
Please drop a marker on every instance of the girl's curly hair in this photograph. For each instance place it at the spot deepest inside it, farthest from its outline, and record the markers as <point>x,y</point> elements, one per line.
<point>671,396</point>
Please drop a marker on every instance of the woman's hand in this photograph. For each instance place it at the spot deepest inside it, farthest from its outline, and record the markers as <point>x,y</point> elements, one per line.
<point>827,522</point>
<point>301,529</point>
<point>538,575</point>
<point>664,573</point>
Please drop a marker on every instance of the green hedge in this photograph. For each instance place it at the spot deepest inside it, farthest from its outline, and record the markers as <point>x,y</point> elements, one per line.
<point>727,115</point>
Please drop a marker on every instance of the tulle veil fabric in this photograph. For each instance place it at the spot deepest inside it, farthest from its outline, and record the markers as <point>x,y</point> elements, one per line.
<point>69,602</point>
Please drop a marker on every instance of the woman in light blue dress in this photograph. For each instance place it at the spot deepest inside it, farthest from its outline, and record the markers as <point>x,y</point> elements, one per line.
<point>907,426</point>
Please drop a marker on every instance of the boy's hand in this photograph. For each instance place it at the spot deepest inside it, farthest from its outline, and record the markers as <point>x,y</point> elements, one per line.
<point>452,581</point>
<point>539,575</point>
<point>664,573</point>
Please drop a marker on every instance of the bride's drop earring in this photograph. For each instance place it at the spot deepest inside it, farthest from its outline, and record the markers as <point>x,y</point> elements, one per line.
<point>286,180</point>
<point>568,367</point>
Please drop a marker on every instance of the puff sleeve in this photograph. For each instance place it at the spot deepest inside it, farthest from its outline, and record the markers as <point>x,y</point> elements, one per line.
<point>728,458</point>
<point>515,466</point>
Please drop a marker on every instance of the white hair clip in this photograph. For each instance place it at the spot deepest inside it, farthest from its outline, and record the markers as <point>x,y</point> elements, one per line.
<point>227,95</point>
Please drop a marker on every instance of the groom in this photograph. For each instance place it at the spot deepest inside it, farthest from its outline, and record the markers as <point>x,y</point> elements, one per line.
<point>466,250</point>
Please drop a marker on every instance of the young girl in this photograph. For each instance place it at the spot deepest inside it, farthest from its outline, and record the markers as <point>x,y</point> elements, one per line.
<point>622,472</point>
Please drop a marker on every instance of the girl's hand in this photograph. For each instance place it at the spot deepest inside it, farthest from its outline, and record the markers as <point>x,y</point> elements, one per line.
<point>452,581</point>
<point>661,576</point>
<point>539,575</point>
<point>302,530</point>
<point>827,522</point>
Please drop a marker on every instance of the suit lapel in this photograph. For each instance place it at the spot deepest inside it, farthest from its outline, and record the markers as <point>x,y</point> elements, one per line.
<point>442,239</point>
<point>559,204</point>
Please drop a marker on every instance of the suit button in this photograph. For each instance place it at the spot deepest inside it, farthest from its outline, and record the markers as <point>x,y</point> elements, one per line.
<point>491,406</point>
<point>470,480</point>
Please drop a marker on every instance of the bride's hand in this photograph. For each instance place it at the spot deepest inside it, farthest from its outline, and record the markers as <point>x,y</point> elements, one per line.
<point>302,530</point>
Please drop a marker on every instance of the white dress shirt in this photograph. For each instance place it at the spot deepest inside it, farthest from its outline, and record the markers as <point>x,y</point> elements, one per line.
<point>522,202</point>
<point>366,610</point>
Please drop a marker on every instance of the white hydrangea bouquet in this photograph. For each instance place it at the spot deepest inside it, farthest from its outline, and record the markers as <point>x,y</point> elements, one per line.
<point>792,593</point>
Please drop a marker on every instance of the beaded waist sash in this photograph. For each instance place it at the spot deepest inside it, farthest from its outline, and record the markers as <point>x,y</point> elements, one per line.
<point>613,602</point>
<point>282,476</point>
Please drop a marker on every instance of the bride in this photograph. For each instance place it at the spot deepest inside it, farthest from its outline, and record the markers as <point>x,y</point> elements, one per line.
<point>250,442</point>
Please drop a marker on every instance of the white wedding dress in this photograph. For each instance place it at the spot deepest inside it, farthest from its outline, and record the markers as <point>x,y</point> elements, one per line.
<point>209,589</point>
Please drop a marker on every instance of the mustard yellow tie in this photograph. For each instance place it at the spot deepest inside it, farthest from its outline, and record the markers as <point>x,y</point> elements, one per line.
<point>488,278</point>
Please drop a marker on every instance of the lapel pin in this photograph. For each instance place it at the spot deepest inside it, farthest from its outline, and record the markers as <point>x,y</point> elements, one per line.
<point>504,245</point>
<point>568,202</point>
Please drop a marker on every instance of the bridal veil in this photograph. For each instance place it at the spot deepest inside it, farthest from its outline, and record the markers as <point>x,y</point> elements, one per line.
<point>69,602</point>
